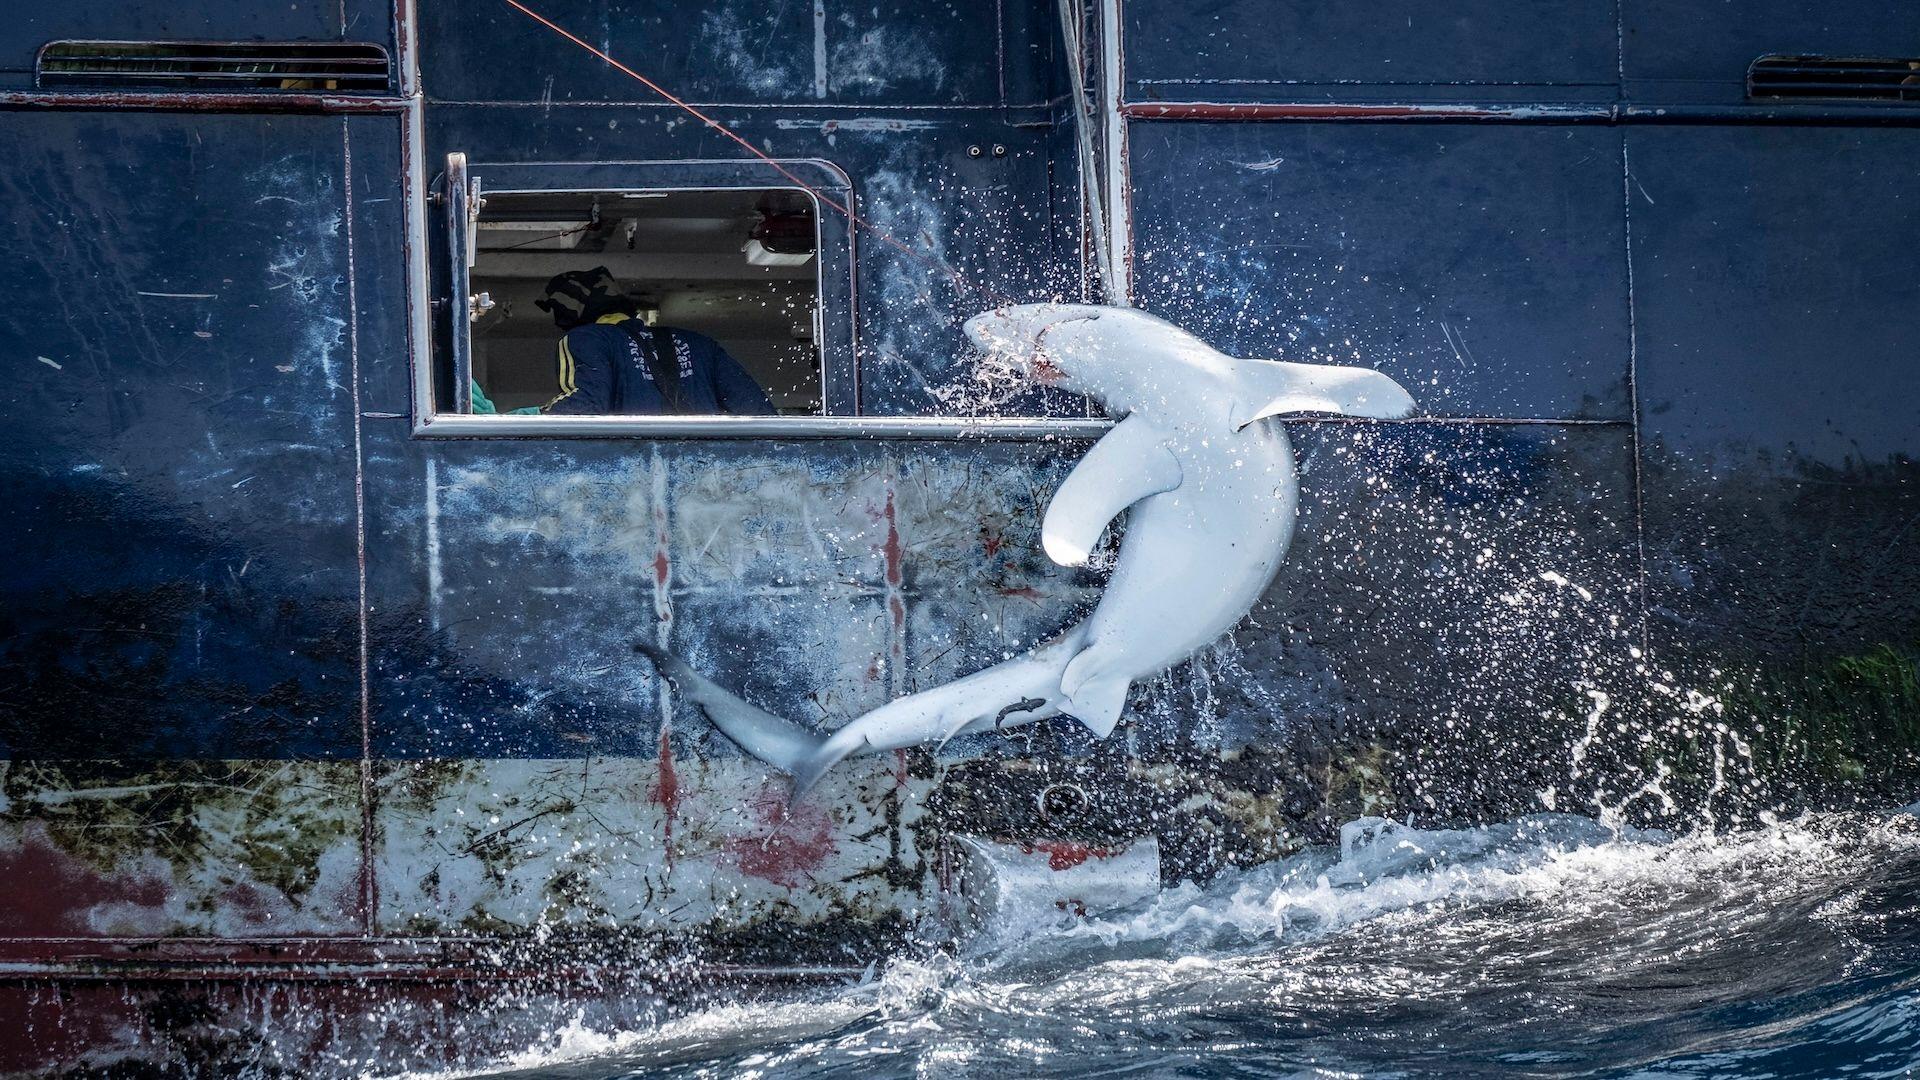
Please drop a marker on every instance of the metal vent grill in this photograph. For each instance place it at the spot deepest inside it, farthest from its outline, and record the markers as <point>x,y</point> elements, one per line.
<point>215,65</point>
<point>1853,78</point>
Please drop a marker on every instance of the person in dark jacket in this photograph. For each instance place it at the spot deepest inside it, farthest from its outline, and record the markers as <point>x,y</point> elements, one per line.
<point>610,362</point>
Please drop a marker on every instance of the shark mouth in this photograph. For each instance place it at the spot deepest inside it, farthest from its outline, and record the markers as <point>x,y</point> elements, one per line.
<point>1006,368</point>
<point>996,377</point>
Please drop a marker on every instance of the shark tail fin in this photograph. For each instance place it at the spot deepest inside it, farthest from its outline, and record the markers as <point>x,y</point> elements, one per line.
<point>781,743</point>
<point>1278,386</point>
<point>832,750</point>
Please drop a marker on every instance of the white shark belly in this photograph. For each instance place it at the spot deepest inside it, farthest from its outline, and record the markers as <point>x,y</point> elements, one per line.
<point>1194,560</point>
<point>1018,691</point>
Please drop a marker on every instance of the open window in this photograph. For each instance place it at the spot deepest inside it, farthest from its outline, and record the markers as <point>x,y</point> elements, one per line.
<point>574,292</point>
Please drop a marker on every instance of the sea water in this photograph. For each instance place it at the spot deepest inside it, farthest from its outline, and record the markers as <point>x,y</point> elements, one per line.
<point>1547,946</point>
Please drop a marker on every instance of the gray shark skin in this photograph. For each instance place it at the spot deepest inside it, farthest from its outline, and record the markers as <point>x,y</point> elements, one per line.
<point>1211,496</point>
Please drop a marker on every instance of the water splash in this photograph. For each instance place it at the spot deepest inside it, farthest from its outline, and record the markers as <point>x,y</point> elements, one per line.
<point>1548,944</point>
<point>982,385</point>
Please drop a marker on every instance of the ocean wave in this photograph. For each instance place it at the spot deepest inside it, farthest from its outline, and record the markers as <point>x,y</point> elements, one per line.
<point>1547,945</point>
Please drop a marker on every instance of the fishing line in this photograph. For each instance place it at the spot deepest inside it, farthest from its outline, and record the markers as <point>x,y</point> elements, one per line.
<point>544,239</point>
<point>845,211</point>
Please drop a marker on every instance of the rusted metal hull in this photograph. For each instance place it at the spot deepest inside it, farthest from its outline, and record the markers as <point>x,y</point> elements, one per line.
<point>324,725</point>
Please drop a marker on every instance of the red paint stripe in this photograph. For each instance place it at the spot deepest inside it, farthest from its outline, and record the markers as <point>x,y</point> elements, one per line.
<point>666,789</point>
<point>201,102</point>
<point>893,553</point>
<point>662,563</point>
<point>1210,110</point>
<point>891,549</point>
<point>1067,854</point>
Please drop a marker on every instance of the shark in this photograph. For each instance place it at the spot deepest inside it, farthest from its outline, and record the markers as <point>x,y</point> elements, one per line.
<point>1203,472</point>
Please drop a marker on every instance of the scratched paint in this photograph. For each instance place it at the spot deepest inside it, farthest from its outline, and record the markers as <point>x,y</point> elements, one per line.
<point>225,849</point>
<point>869,59</point>
<point>738,40</point>
<point>516,847</point>
<point>181,697</point>
<point>795,560</point>
<point>800,577</point>
<point>897,52</point>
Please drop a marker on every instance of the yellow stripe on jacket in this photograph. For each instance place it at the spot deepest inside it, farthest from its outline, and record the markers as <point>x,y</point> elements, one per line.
<point>564,364</point>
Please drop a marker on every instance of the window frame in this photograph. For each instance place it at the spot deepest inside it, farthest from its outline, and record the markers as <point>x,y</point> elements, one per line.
<point>449,332</point>
<point>838,305</point>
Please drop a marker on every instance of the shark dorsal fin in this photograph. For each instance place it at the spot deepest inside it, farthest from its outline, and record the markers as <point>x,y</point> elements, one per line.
<point>1272,387</point>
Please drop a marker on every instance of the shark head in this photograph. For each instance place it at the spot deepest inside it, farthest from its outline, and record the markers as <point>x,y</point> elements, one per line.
<point>1131,362</point>
<point>1118,356</point>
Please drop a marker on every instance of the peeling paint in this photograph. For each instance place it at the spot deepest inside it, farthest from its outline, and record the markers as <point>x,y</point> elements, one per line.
<point>790,841</point>
<point>231,849</point>
<point>189,540</point>
<point>552,847</point>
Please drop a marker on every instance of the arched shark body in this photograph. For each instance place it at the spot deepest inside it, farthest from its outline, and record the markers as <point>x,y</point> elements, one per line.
<point>1212,493</point>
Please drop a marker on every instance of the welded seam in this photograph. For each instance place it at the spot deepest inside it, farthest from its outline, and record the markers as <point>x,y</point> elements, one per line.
<point>660,510</point>
<point>1378,112</point>
<point>1000,50</point>
<point>435,574</point>
<point>369,893</point>
<point>659,514</point>
<point>1118,167</point>
<point>1620,50</point>
<point>1633,334</point>
<point>1633,393</point>
<point>820,48</point>
<point>755,106</point>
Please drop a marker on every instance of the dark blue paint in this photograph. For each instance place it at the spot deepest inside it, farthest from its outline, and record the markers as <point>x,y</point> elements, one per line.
<point>898,52</point>
<point>182,571</point>
<point>27,27</point>
<point>1256,50</point>
<point>1482,266</point>
<point>186,542</point>
<point>379,254</point>
<point>526,649</point>
<point>1779,304</point>
<point>1778,283</point>
<point>1693,51</point>
<point>1564,51</point>
<point>1485,266</point>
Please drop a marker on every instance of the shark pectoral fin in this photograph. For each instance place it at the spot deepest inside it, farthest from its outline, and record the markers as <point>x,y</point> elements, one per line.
<point>1098,704</point>
<point>1273,387</point>
<point>1093,697</point>
<point>1128,464</point>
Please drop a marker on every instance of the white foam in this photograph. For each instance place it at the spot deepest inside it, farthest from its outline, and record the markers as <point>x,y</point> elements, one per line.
<point>1393,885</point>
<point>1567,864</point>
<point>732,1024</point>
